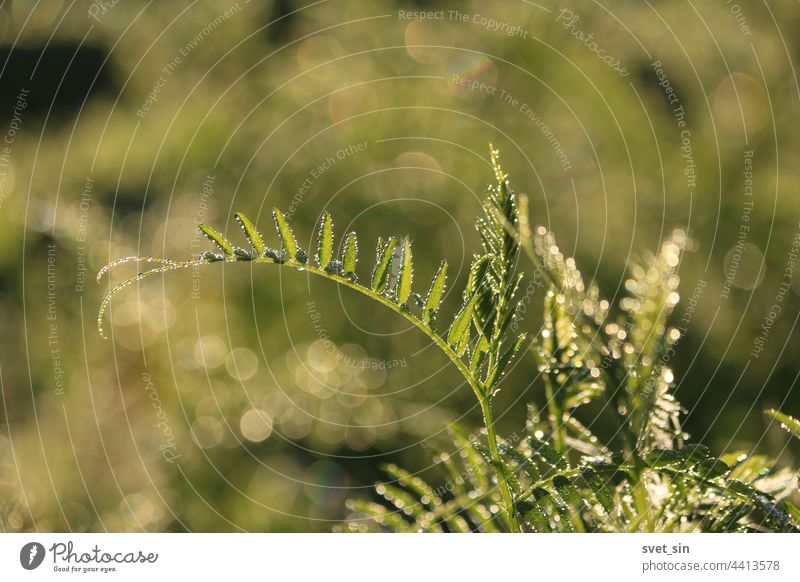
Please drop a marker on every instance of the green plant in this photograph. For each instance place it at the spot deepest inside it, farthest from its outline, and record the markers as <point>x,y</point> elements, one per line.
<point>556,475</point>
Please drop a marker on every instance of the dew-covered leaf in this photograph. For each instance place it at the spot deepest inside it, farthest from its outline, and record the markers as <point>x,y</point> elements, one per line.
<point>788,423</point>
<point>600,489</point>
<point>527,464</point>
<point>285,234</point>
<point>215,237</point>
<point>534,516</point>
<point>545,451</point>
<point>554,509</point>
<point>688,456</point>
<point>459,332</point>
<point>325,241</point>
<point>406,275</point>
<point>711,468</point>
<point>380,274</point>
<point>350,255</point>
<point>478,356</point>
<point>251,234</point>
<point>567,491</point>
<point>502,363</point>
<point>435,293</point>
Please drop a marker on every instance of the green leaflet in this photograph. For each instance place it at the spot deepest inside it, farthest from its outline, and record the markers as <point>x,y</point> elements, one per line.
<point>458,336</point>
<point>403,499</point>
<point>747,468</point>
<point>582,393</point>
<point>350,255</point>
<point>598,487</point>
<point>217,239</point>
<point>512,307</point>
<point>534,516</point>
<point>788,423</point>
<point>478,355</point>
<point>380,274</point>
<point>711,468</point>
<point>545,451</point>
<point>688,456</point>
<point>573,499</point>
<point>379,512</point>
<point>503,361</point>
<point>251,234</point>
<point>484,314</point>
<point>553,508</point>
<point>435,293</point>
<point>792,510</point>
<point>325,240</point>
<point>494,154</point>
<point>567,491</point>
<point>525,463</point>
<point>288,242</point>
<point>478,272</point>
<point>411,482</point>
<point>406,275</point>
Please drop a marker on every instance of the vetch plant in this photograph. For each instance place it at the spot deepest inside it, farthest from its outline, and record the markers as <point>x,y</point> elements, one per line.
<point>555,474</point>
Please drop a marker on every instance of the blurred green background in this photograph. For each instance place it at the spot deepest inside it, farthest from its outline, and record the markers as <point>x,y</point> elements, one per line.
<point>258,399</point>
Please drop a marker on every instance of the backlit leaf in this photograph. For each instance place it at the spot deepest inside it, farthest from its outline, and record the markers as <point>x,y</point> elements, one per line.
<point>459,331</point>
<point>350,255</point>
<point>285,233</point>
<point>435,294</point>
<point>251,234</point>
<point>406,276</point>
<point>788,423</point>
<point>380,274</point>
<point>217,239</point>
<point>325,240</point>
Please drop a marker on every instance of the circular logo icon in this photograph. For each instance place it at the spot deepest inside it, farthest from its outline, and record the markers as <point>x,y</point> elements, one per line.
<point>31,555</point>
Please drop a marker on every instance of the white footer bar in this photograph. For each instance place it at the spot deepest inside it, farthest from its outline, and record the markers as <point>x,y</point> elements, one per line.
<point>406,557</point>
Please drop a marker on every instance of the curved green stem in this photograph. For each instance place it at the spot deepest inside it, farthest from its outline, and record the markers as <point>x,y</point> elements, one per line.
<point>502,480</point>
<point>484,399</point>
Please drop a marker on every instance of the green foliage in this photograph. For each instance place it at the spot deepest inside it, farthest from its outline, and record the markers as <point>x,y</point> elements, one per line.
<point>563,478</point>
<point>788,423</point>
<point>556,474</point>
